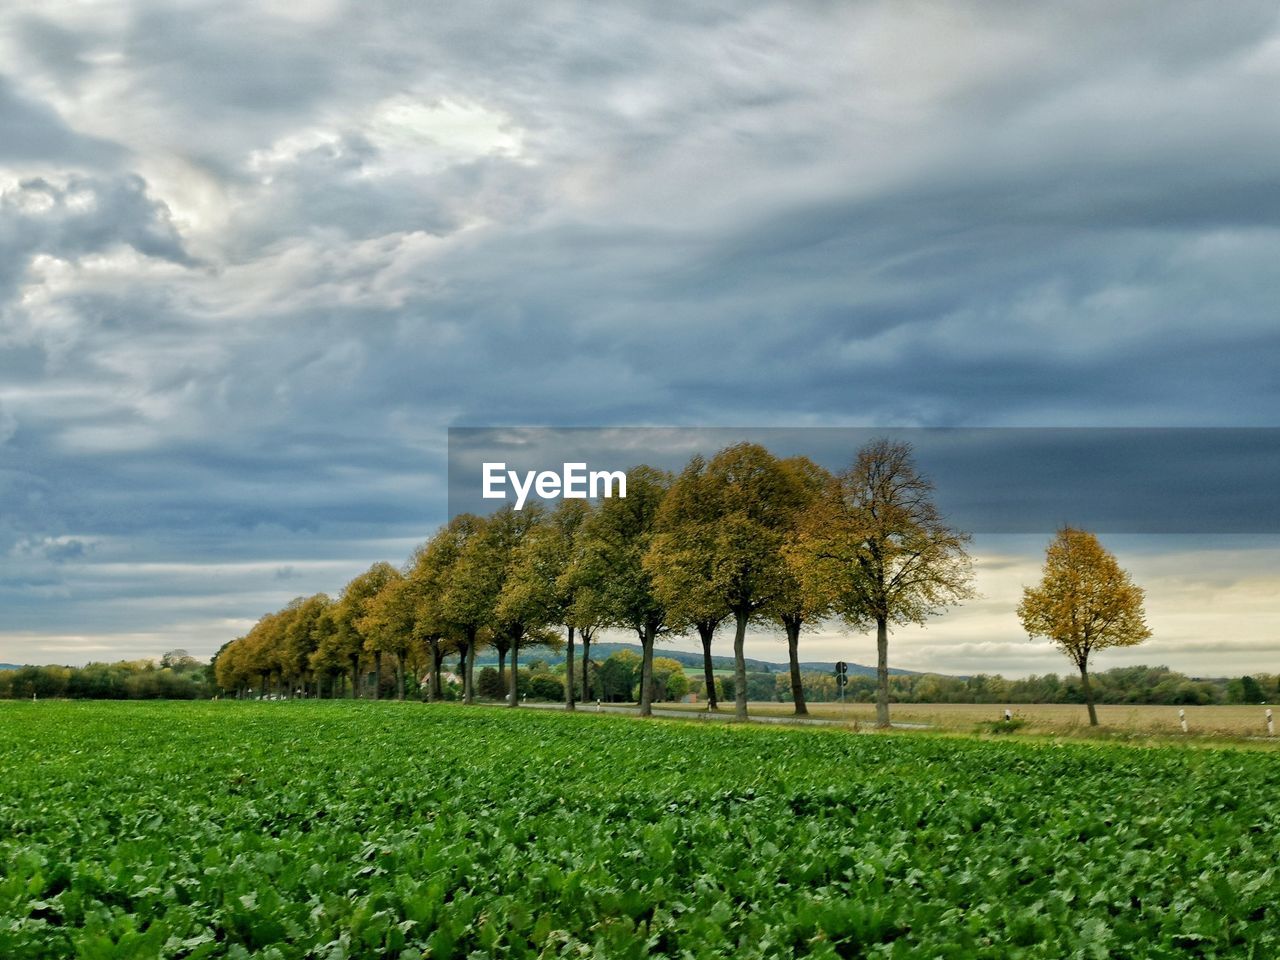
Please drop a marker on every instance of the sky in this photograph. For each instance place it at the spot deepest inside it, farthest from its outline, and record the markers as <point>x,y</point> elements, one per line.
<point>257,258</point>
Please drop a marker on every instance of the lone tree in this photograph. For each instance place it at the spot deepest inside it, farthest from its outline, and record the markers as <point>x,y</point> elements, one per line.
<point>1085,602</point>
<point>879,549</point>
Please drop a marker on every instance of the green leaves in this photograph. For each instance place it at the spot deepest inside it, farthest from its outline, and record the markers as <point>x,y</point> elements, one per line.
<point>206,830</point>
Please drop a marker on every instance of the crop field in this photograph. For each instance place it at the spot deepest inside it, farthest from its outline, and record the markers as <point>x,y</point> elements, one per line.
<point>336,829</point>
<point>1058,718</point>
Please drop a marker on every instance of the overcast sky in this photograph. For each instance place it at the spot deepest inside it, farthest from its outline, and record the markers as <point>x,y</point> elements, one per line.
<point>256,258</point>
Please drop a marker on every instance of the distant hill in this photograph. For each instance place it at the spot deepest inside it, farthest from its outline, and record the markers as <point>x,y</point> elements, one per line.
<point>692,660</point>
<point>10,666</point>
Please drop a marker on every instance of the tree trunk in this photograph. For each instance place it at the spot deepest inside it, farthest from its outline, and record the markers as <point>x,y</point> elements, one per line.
<point>647,637</point>
<point>502,665</point>
<point>792,625</point>
<point>568,672</point>
<point>437,664</point>
<point>586,666</point>
<point>400,677</point>
<point>706,630</point>
<point>468,670</point>
<point>1088,693</point>
<point>513,682</point>
<point>882,672</point>
<point>740,665</point>
<point>377,674</point>
<point>355,675</point>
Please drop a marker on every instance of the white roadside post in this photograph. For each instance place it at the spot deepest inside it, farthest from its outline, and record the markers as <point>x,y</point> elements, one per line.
<point>1182,719</point>
<point>1271,724</point>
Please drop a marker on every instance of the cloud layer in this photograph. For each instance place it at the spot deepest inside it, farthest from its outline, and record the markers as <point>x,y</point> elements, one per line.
<point>255,258</point>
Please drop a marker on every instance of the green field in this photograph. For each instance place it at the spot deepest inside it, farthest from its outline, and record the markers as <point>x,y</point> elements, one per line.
<point>334,829</point>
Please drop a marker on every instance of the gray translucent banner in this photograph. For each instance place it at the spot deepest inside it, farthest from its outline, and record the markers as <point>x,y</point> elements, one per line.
<point>987,479</point>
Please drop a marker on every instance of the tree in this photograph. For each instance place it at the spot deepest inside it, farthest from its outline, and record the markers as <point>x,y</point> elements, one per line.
<point>302,638</point>
<point>792,604</point>
<point>341,641</point>
<point>330,659</point>
<point>546,686</point>
<point>615,541</point>
<point>583,605</point>
<point>879,548</point>
<point>489,685</point>
<point>669,679</point>
<point>540,589</point>
<point>722,540</point>
<point>1085,602</point>
<point>428,578</point>
<point>518,615</point>
<point>179,661</point>
<point>618,675</point>
<point>264,646</point>
<point>388,624</point>
<point>1245,690</point>
<point>353,611</point>
<point>681,563</point>
<point>473,581</point>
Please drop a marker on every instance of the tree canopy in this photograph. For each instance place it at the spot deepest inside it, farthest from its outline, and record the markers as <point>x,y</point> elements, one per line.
<point>878,547</point>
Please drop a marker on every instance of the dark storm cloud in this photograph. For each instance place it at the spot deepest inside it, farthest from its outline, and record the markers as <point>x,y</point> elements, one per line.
<point>81,216</point>
<point>255,258</point>
<point>987,480</point>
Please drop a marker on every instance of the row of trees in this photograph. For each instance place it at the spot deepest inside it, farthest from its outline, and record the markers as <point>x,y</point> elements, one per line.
<point>742,538</point>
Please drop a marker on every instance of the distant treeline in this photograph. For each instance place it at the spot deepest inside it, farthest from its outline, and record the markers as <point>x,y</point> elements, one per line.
<point>177,676</point>
<point>1136,685</point>
<point>616,679</point>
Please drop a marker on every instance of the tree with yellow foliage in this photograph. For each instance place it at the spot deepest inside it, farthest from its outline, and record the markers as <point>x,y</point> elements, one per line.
<point>1085,602</point>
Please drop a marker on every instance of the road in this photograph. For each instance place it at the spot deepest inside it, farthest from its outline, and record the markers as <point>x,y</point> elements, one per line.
<point>722,715</point>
